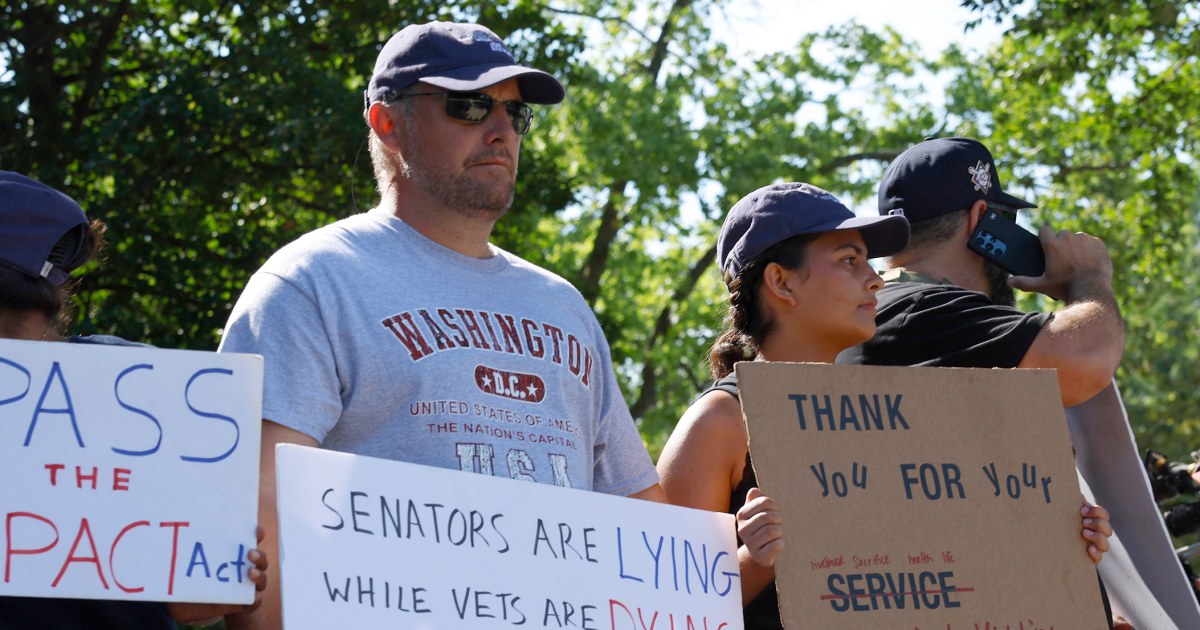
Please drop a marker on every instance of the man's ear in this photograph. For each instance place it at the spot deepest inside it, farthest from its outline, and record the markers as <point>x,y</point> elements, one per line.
<point>975,214</point>
<point>385,123</point>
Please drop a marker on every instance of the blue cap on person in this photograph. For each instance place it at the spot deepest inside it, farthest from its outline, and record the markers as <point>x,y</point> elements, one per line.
<point>42,231</point>
<point>456,57</point>
<point>941,175</point>
<point>772,214</point>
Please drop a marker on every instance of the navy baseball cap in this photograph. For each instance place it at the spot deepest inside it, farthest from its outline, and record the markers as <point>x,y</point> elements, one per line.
<point>941,175</point>
<point>42,231</point>
<point>772,214</point>
<point>456,57</point>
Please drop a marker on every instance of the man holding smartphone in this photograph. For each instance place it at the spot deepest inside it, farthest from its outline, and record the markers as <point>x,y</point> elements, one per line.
<point>945,304</point>
<point>948,302</point>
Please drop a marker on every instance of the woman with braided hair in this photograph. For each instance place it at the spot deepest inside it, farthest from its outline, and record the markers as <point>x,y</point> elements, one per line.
<point>800,290</point>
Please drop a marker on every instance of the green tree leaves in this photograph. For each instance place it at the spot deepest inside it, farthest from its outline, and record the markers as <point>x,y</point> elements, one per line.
<point>1095,109</point>
<point>207,134</point>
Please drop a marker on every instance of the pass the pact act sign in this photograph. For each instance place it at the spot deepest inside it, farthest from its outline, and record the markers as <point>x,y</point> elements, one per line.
<point>128,472</point>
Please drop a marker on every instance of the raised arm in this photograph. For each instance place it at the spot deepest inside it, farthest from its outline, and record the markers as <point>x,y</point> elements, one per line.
<point>1086,338</point>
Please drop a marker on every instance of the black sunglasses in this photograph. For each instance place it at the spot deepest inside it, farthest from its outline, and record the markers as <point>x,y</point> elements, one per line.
<point>474,107</point>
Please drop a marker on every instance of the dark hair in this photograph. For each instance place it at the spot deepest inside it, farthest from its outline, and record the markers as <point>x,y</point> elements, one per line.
<point>20,293</point>
<point>935,230</point>
<point>746,324</point>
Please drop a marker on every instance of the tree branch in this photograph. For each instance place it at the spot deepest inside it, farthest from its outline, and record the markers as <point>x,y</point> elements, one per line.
<point>662,42</point>
<point>662,326</point>
<point>93,76</point>
<point>664,39</point>
<point>1065,170</point>
<point>601,18</point>
<point>846,160</point>
<point>606,232</point>
<point>611,220</point>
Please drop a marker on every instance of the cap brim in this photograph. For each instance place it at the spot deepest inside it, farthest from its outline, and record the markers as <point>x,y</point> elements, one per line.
<point>537,87</point>
<point>1009,200</point>
<point>883,236</point>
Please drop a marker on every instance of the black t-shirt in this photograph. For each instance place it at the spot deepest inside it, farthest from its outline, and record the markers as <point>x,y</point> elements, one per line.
<point>38,613</point>
<point>944,325</point>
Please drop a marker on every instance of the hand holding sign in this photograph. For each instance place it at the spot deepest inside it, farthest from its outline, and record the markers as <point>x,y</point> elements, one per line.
<point>759,525</point>
<point>207,614</point>
<point>1096,530</point>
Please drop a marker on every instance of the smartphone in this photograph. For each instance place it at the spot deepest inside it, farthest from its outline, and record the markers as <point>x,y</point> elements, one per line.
<point>1000,240</point>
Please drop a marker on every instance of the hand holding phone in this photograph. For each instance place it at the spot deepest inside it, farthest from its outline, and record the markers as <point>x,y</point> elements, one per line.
<point>1077,264</point>
<point>1012,247</point>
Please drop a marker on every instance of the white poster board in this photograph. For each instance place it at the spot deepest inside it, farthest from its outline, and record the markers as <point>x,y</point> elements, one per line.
<point>128,472</point>
<point>372,543</point>
<point>1141,572</point>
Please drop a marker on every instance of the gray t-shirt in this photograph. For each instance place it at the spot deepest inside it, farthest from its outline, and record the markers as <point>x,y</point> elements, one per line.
<point>380,342</point>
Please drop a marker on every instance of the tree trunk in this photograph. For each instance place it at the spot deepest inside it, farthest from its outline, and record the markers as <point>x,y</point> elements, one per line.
<point>613,218</point>
<point>649,394</point>
<point>597,261</point>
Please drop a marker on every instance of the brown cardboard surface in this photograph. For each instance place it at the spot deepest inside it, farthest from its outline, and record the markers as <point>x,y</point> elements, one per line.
<point>891,515</point>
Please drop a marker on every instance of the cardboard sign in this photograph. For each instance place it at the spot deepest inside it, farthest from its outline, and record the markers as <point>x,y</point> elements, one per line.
<point>372,543</point>
<point>128,473</point>
<point>921,497</point>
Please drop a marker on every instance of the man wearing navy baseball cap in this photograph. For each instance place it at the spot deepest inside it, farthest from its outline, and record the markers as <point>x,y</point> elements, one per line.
<point>944,304</point>
<point>409,306</point>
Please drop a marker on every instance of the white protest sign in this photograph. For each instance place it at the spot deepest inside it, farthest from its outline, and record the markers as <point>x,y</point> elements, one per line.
<point>128,472</point>
<point>371,543</point>
<point>1142,574</point>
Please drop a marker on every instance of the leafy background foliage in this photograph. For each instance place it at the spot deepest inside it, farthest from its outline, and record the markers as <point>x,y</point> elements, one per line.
<point>208,133</point>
